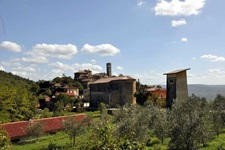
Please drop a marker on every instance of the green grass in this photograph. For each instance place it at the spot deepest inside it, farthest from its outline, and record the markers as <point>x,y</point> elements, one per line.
<point>218,143</point>
<point>60,139</point>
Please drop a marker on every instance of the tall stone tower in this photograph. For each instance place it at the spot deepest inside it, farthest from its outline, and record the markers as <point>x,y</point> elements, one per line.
<point>176,86</point>
<point>109,69</point>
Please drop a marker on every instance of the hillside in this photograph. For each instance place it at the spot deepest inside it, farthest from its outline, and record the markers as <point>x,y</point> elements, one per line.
<point>17,98</point>
<point>207,91</point>
<point>7,79</point>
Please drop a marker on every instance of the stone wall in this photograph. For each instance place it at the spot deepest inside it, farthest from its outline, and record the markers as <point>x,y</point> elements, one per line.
<point>114,93</point>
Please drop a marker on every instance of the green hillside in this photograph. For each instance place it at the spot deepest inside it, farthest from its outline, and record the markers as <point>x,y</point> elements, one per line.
<point>17,98</point>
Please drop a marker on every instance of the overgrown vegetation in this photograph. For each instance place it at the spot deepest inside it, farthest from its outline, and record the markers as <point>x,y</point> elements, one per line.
<point>17,98</point>
<point>191,124</point>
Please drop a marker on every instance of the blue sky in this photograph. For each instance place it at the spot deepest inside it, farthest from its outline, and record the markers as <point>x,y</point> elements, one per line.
<point>141,38</point>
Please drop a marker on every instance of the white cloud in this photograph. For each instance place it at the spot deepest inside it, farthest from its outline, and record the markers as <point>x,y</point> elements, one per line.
<point>75,67</point>
<point>10,63</point>
<point>150,78</point>
<point>2,68</point>
<point>178,7</point>
<point>119,68</point>
<point>24,71</point>
<point>38,59</point>
<point>140,2</point>
<point>93,61</point>
<point>102,50</point>
<point>53,50</point>
<point>210,77</point>
<point>213,58</point>
<point>176,23</point>
<point>61,66</point>
<point>216,72</point>
<point>10,46</point>
<point>184,40</point>
<point>93,68</point>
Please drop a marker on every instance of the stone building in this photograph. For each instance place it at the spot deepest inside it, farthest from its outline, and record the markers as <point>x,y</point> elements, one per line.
<point>84,77</point>
<point>113,91</point>
<point>157,90</point>
<point>176,86</point>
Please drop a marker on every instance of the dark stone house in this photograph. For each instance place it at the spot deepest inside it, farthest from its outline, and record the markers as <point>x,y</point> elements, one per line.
<point>113,91</point>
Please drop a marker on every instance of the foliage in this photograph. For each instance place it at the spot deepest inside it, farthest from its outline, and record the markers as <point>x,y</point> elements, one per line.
<point>17,99</point>
<point>161,125</point>
<point>73,128</point>
<point>133,122</point>
<point>35,129</point>
<point>58,109</point>
<point>218,114</point>
<point>69,81</point>
<point>141,97</point>
<point>45,113</point>
<point>63,99</point>
<point>187,119</point>
<point>4,138</point>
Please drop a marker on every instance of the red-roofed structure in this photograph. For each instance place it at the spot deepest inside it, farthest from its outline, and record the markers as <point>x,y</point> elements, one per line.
<point>159,91</point>
<point>17,130</point>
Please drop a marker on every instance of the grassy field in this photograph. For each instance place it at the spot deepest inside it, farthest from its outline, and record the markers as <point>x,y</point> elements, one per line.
<point>61,140</point>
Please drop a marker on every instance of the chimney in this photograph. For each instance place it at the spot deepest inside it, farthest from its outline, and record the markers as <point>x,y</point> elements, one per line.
<point>109,70</point>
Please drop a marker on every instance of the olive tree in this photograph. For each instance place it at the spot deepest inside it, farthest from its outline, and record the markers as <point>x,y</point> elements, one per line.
<point>218,114</point>
<point>35,128</point>
<point>72,127</point>
<point>188,124</point>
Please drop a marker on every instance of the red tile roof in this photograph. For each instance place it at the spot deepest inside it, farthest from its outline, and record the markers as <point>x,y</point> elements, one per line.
<point>47,99</point>
<point>17,129</point>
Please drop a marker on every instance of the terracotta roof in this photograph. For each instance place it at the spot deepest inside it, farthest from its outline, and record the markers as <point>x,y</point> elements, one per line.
<point>106,80</point>
<point>70,94</point>
<point>69,87</point>
<point>176,71</point>
<point>17,129</point>
<point>47,99</point>
<point>155,89</point>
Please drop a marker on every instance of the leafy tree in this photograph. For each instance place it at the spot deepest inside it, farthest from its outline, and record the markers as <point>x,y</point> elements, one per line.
<point>141,97</point>
<point>35,129</point>
<point>152,99</point>
<point>161,125</point>
<point>218,114</point>
<point>45,113</point>
<point>57,80</point>
<point>73,128</point>
<point>17,99</point>
<point>79,86</point>
<point>103,130</point>
<point>133,123</point>
<point>63,98</point>
<point>187,124</point>
<point>4,138</point>
<point>58,109</point>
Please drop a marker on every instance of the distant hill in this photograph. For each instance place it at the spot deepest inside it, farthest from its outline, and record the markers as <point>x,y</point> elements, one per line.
<point>7,78</point>
<point>207,91</point>
<point>203,90</point>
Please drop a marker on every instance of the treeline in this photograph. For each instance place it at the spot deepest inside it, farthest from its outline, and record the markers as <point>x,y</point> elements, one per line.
<point>17,98</point>
<point>191,124</point>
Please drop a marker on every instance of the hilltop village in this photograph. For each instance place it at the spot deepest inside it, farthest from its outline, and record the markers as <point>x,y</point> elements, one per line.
<point>117,90</point>
<point>118,111</point>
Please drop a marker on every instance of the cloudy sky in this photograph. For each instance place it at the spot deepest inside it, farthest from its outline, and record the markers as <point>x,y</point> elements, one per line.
<point>141,38</point>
